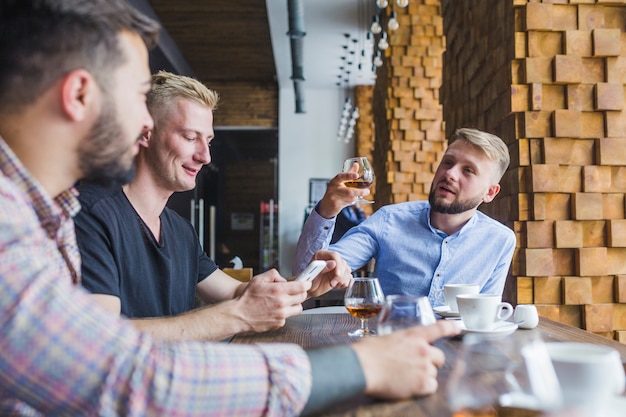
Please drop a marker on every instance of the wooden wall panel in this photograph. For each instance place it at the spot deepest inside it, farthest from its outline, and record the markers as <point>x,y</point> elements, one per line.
<point>565,83</point>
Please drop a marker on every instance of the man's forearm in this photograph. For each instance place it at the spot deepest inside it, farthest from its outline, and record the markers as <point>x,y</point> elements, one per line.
<point>215,322</point>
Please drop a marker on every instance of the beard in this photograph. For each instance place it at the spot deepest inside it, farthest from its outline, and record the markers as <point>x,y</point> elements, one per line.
<point>103,160</point>
<point>454,207</point>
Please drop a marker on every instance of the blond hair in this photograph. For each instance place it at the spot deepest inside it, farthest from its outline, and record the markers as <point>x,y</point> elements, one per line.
<point>167,88</point>
<point>494,147</point>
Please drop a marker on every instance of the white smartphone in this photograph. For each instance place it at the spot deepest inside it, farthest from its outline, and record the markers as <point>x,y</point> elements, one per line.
<point>311,271</point>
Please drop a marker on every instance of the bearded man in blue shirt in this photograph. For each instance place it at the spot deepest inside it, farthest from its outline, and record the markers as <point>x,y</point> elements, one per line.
<point>419,246</point>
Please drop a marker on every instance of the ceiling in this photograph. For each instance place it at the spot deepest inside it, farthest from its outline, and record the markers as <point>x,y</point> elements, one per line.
<point>231,40</point>
<point>222,40</point>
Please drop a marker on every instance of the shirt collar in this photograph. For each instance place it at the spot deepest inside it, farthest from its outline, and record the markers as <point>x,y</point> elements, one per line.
<point>50,211</point>
<point>467,226</point>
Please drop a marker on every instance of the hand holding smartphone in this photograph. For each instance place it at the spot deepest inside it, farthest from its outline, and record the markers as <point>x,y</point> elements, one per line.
<point>311,271</point>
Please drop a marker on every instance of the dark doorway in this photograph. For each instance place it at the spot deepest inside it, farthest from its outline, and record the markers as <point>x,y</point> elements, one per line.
<point>230,192</point>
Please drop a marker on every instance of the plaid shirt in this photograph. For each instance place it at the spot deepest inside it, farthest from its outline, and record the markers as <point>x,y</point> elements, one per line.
<point>60,354</point>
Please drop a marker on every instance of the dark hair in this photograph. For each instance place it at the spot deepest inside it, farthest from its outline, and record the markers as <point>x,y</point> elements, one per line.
<point>42,40</point>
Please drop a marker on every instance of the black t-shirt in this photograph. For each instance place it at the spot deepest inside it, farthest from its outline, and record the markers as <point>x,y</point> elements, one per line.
<point>121,257</point>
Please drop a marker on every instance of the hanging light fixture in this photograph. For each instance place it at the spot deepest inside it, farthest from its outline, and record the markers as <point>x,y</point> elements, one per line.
<point>382,3</point>
<point>402,3</point>
<point>378,60</point>
<point>376,28</point>
<point>393,24</point>
<point>383,43</point>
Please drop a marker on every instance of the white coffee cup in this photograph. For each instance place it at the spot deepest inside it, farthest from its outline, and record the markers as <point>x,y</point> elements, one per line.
<point>526,315</point>
<point>482,311</point>
<point>447,295</point>
<point>589,375</point>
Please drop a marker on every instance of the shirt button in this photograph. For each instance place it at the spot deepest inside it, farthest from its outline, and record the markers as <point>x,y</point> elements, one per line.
<point>326,227</point>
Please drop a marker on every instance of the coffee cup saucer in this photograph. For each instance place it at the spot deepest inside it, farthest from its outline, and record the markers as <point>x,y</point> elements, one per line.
<point>500,329</point>
<point>444,311</point>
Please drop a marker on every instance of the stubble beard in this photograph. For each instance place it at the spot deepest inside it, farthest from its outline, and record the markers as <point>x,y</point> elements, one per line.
<point>455,207</point>
<point>103,160</point>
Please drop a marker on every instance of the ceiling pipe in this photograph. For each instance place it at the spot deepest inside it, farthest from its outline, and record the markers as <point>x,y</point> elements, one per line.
<point>296,34</point>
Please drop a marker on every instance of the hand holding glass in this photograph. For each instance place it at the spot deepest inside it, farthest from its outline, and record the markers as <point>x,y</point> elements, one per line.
<point>366,175</point>
<point>364,300</point>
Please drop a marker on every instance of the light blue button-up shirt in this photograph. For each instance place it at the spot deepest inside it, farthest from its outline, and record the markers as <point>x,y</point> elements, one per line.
<point>412,257</point>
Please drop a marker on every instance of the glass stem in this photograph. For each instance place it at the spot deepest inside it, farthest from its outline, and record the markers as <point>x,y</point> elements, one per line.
<point>364,327</point>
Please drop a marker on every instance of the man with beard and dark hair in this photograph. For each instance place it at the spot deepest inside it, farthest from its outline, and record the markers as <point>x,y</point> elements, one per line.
<point>419,246</point>
<point>61,354</point>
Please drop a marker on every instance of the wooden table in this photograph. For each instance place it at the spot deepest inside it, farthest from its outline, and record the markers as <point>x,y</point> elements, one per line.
<point>314,330</point>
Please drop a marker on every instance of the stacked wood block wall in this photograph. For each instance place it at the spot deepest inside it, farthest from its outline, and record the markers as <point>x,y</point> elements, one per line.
<point>409,128</point>
<point>477,83</point>
<point>364,132</point>
<point>564,192</point>
<point>476,90</point>
<point>364,129</point>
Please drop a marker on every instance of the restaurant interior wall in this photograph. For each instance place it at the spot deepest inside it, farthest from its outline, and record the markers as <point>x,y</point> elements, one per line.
<point>549,77</point>
<point>308,148</point>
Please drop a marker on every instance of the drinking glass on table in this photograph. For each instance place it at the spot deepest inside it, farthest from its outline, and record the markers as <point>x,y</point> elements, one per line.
<point>364,299</point>
<point>362,166</point>
<point>503,375</point>
<point>402,311</point>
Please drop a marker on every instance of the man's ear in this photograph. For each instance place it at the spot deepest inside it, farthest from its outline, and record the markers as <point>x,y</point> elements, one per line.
<point>144,138</point>
<point>492,192</point>
<point>78,92</point>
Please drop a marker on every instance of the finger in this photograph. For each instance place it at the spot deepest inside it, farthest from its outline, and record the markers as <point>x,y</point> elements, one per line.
<point>296,288</point>
<point>344,176</point>
<point>438,357</point>
<point>435,331</point>
<point>430,386</point>
<point>267,278</point>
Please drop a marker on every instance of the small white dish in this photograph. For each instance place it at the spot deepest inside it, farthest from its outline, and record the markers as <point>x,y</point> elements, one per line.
<point>444,311</point>
<point>501,329</point>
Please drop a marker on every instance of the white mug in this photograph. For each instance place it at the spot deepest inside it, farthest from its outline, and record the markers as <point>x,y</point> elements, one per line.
<point>482,311</point>
<point>589,375</point>
<point>447,295</point>
<point>526,316</point>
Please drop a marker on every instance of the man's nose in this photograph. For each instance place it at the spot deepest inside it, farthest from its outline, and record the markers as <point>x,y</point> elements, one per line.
<point>203,154</point>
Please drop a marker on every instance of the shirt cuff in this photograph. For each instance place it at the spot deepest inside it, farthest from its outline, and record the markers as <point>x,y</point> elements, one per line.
<point>337,377</point>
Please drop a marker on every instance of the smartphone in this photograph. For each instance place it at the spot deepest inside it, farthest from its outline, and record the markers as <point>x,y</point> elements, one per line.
<point>311,271</point>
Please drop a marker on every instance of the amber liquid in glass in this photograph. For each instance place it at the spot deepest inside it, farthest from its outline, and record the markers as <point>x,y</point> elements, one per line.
<point>497,411</point>
<point>364,311</point>
<point>358,183</point>
<point>476,412</point>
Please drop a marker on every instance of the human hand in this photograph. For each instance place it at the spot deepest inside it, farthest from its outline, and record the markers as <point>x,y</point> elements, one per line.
<point>337,273</point>
<point>269,299</point>
<point>404,363</point>
<point>338,196</point>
